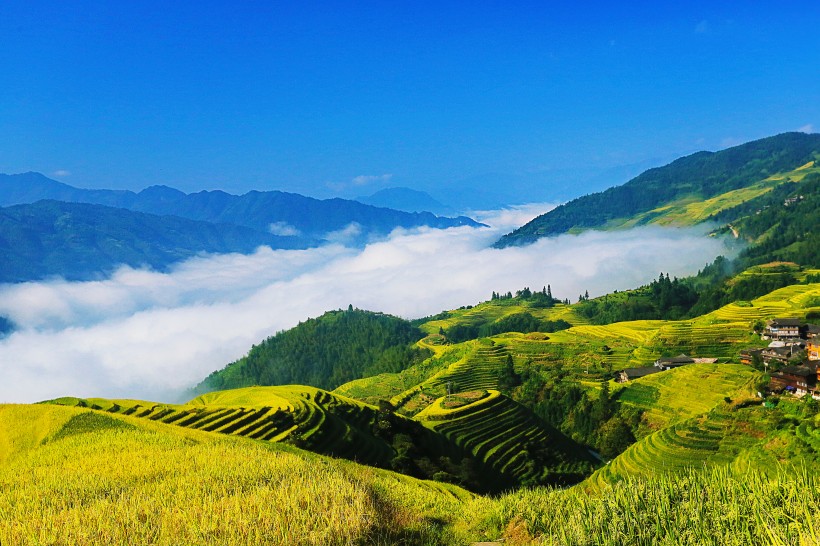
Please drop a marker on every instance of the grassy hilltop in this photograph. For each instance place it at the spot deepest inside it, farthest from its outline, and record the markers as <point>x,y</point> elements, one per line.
<point>76,476</point>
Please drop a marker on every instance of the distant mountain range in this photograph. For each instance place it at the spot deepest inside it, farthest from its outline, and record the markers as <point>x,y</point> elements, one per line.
<point>256,209</point>
<point>693,189</point>
<point>52,229</point>
<point>406,199</point>
<point>79,241</point>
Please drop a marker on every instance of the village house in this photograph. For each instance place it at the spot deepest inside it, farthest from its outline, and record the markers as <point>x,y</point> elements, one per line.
<point>813,349</point>
<point>798,380</point>
<point>778,355</point>
<point>628,374</point>
<point>782,329</point>
<point>669,362</point>
<point>747,356</point>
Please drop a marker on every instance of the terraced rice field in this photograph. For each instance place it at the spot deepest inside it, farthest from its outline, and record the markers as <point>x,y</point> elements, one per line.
<point>715,438</point>
<point>505,435</point>
<point>675,395</point>
<point>477,371</point>
<point>309,417</point>
<point>794,300</point>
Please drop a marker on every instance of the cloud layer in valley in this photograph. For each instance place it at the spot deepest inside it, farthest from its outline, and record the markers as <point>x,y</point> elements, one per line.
<point>142,334</point>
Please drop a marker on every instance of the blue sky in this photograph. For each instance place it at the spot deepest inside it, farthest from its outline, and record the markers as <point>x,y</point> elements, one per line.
<point>347,97</point>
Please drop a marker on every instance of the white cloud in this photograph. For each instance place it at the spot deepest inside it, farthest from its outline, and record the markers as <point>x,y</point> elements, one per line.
<point>61,172</point>
<point>808,128</point>
<point>365,179</point>
<point>283,229</point>
<point>347,235</point>
<point>143,334</point>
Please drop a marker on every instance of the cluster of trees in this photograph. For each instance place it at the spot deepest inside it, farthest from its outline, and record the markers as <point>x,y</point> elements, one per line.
<point>325,352</point>
<point>541,298</point>
<point>522,322</point>
<point>601,423</point>
<point>663,298</point>
<point>411,444</point>
<point>675,299</point>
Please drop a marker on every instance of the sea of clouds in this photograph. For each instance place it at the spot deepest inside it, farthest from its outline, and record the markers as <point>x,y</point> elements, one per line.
<point>148,335</point>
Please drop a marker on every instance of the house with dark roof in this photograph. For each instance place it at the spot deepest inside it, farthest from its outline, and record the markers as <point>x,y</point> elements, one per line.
<point>782,329</point>
<point>669,362</point>
<point>628,374</point>
<point>778,355</point>
<point>799,380</point>
<point>747,356</point>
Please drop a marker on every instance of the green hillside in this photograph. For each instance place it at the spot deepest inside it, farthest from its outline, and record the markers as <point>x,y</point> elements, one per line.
<point>687,191</point>
<point>325,352</point>
<point>320,422</point>
<point>81,477</point>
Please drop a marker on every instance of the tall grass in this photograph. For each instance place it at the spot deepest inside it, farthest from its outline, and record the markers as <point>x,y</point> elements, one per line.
<point>713,506</point>
<point>146,484</point>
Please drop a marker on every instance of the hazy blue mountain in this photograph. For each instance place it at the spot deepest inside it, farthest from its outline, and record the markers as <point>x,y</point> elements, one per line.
<point>406,199</point>
<point>274,211</point>
<point>81,241</point>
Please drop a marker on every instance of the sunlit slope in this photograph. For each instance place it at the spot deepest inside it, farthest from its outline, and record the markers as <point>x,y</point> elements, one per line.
<point>306,416</point>
<point>746,435</point>
<point>89,478</point>
<point>508,437</point>
<point>492,311</point>
<point>675,395</point>
<point>587,352</point>
<point>23,428</point>
<point>690,211</point>
<point>687,191</point>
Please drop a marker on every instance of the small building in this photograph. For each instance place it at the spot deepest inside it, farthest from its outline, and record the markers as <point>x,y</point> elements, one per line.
<point>813,349</point>
<point>628,374</point>
<point>747,356</point>
<point>782,329</point>
<point>777,355</point>
<point>800,380</point>
<point>811,332</point>
<point>669,362</point>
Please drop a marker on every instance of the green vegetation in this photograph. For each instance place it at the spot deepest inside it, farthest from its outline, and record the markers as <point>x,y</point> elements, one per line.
<point>509,438</point>
<point>694,178</point>
<point>325,352</point>
<point>146,482</point>
<point>320,422</point>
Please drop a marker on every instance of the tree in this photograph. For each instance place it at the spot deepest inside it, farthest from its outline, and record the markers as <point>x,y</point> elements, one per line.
<point>508,379</point>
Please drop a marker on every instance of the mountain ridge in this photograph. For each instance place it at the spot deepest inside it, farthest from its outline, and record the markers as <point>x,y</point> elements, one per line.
<point>698,176</point>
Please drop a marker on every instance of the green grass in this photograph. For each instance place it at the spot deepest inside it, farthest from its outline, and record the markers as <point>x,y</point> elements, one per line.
<point>149,483</point>
<point>306,416</point>
<point>78,480</point>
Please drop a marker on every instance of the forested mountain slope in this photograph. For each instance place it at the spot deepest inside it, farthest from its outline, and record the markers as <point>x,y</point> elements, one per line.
<point>696,178</point>
<point>325,352</point>
<point>78,241</point>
